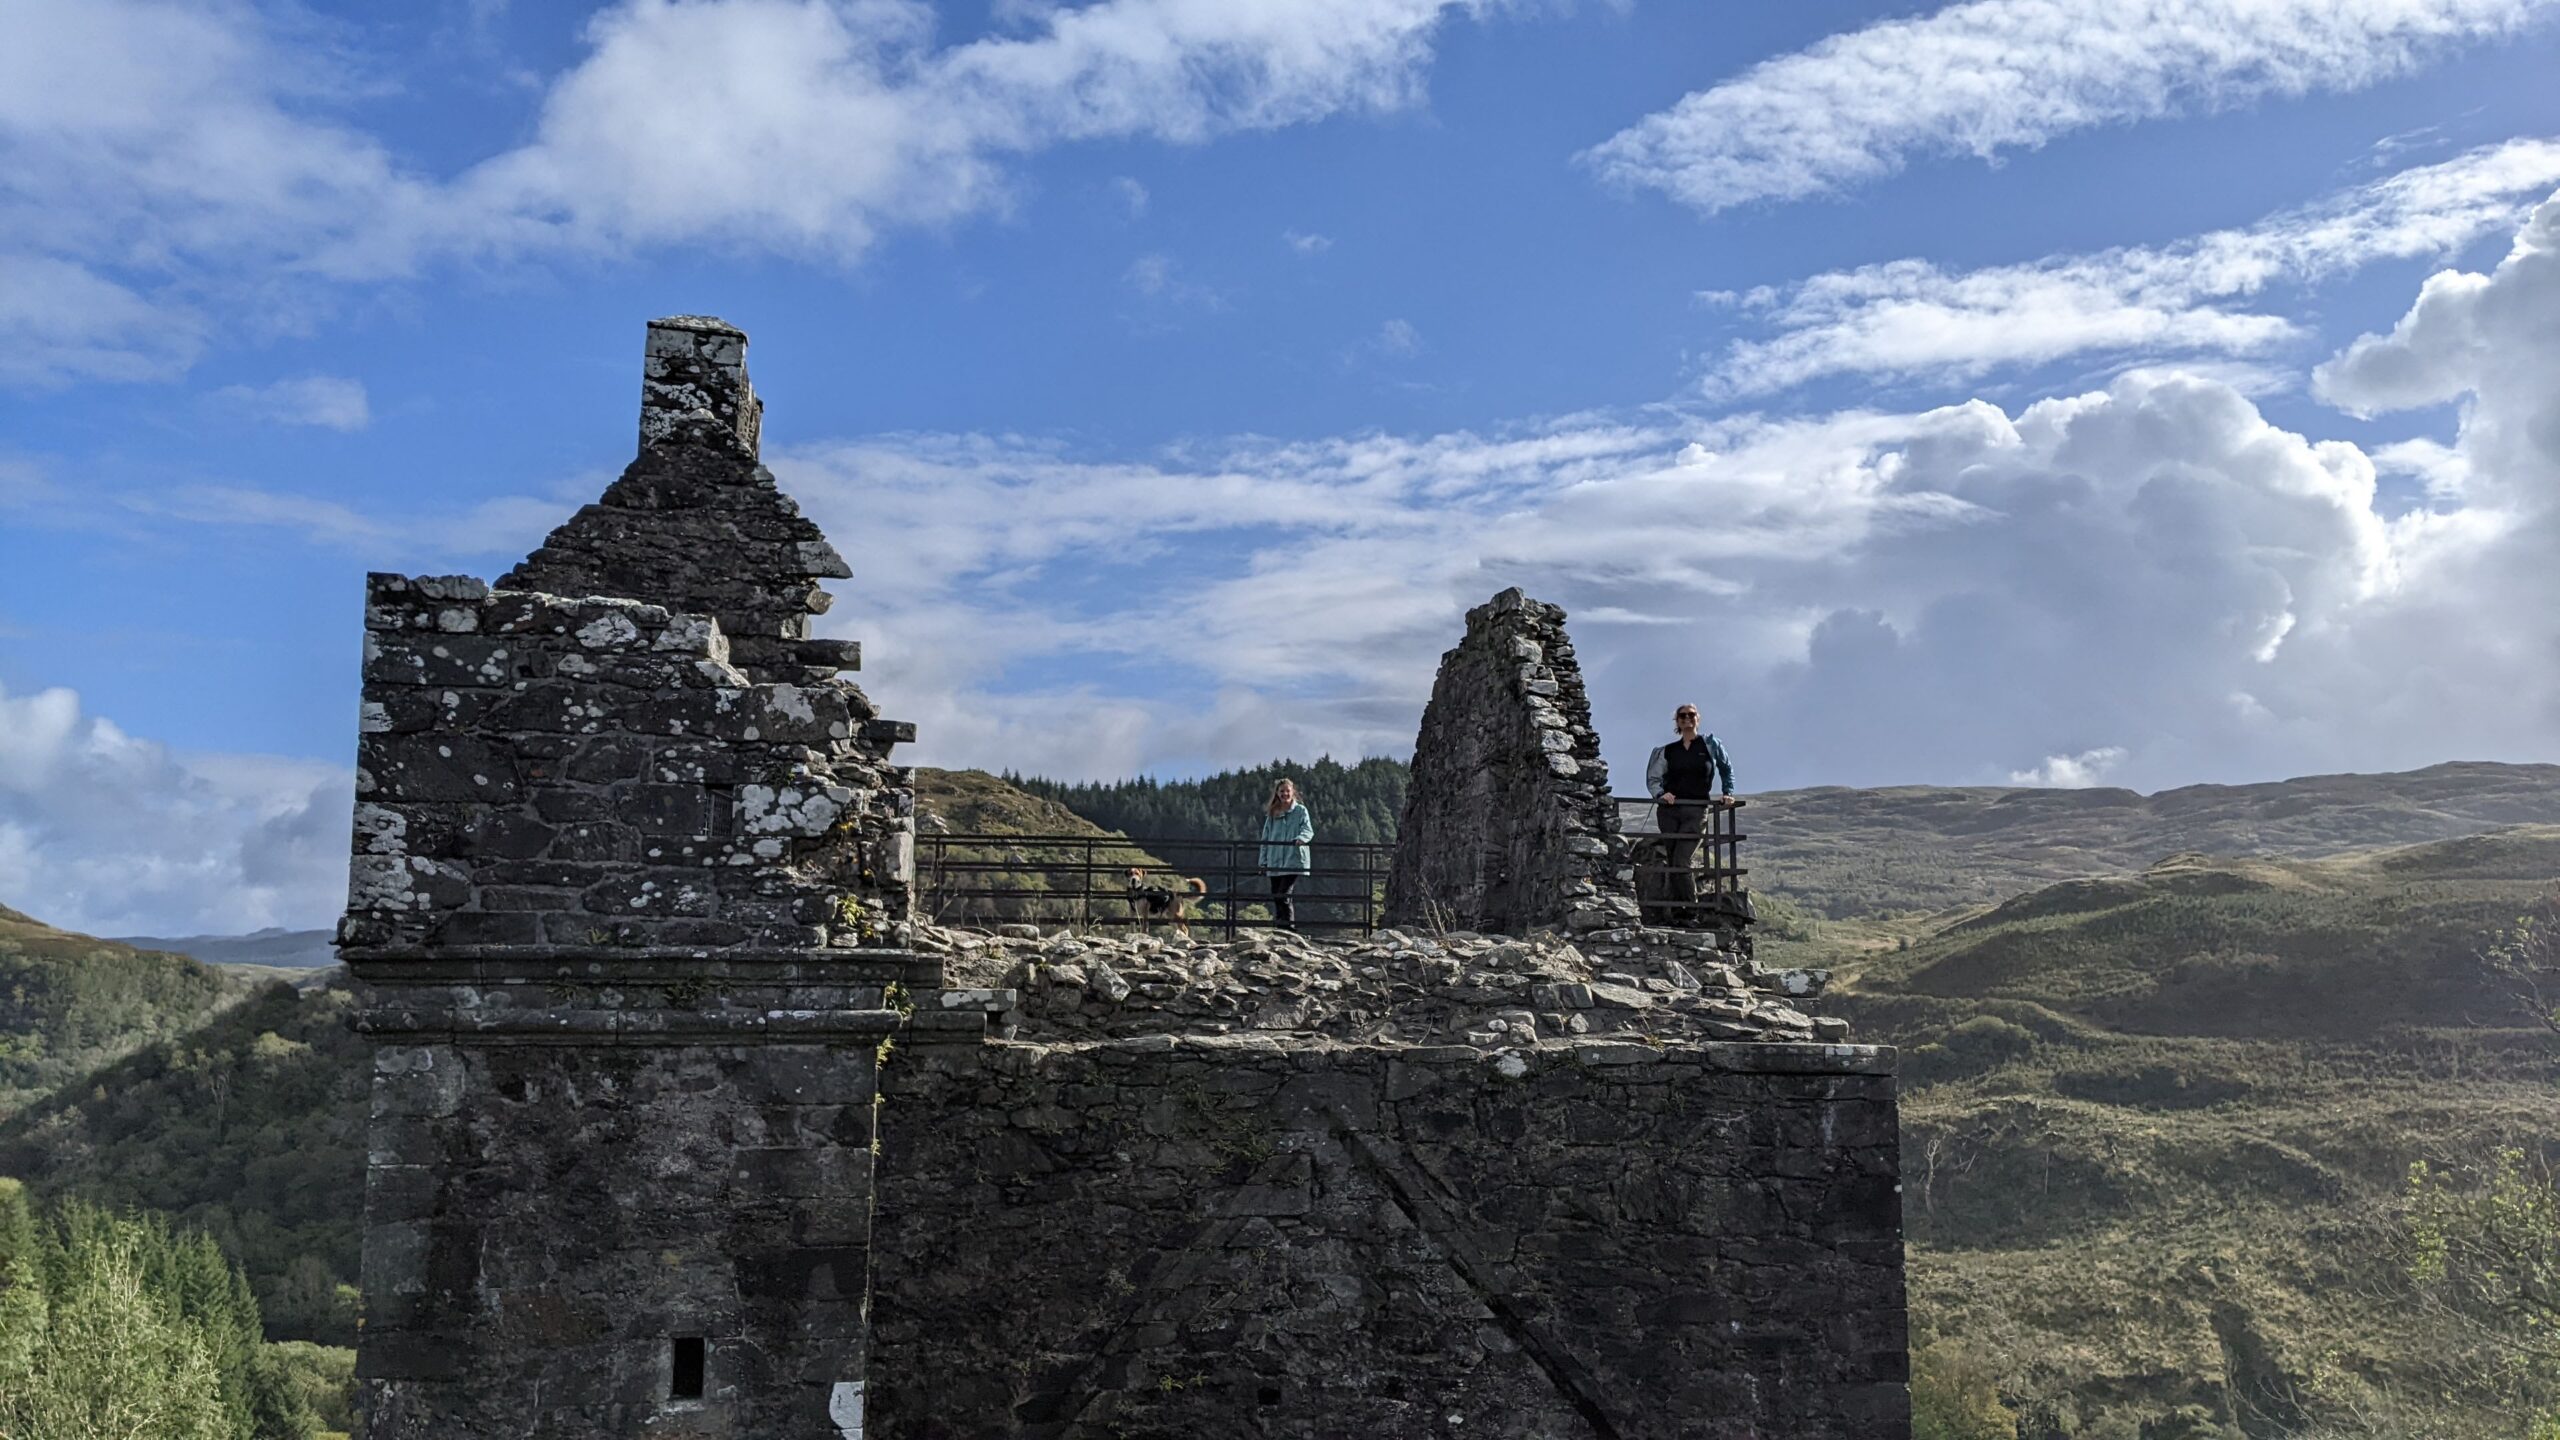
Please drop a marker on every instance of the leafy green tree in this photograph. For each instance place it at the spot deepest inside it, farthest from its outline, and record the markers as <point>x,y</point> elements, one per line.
<point>22,1302</point>
<point>134,1329</point>
<point>2484,1252</point>
<point>114,1360</point>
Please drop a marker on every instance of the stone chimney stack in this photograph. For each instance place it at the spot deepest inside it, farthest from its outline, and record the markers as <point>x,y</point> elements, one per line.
<point>693,386</point>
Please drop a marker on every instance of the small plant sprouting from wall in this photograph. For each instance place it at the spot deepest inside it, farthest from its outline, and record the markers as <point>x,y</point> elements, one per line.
<point>858,916</point>
<point>1231,1135</point>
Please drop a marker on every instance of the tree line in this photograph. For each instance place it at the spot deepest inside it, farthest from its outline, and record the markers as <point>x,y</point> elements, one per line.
<point>1359,803</point>
<point>118,1326</point>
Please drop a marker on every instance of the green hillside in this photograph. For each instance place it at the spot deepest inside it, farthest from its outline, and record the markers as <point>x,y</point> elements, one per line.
<point>249,1128</point>
<point>1848,853</point>
<point>2157,1126</point>
<point>70,1003</point>
<point>973,802</point>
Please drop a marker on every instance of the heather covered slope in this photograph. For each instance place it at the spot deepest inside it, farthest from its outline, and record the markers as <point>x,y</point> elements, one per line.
<point>2157,1125</point>
<point>1842,852</point>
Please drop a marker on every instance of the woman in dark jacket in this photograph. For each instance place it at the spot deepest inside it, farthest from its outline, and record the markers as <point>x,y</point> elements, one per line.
<point>1286,829</point>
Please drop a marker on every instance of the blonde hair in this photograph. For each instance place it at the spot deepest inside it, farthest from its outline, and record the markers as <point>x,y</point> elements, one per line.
<point>1278,806</point>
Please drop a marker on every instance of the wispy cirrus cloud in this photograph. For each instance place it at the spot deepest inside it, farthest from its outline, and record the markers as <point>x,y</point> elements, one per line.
<point>1996,75</point>
<point>328,402</point>
<point>2192,298</point>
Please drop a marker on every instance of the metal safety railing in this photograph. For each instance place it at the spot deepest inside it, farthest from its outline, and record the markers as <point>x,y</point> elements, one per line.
<point>1084,881</point>
<point>1688,857</point>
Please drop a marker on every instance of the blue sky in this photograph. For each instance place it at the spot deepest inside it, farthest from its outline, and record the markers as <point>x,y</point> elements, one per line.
<point>2024,391</point>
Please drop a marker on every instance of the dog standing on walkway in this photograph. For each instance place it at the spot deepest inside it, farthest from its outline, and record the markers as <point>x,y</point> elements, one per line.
<point>1154,901</point>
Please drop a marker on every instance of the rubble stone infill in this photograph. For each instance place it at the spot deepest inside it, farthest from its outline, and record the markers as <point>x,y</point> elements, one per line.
<point>1394,987</point>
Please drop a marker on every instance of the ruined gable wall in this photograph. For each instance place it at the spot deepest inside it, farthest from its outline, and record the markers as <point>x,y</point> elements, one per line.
<point>1257,1237</point>
<point>1507,823</point>
<point>696,523</point>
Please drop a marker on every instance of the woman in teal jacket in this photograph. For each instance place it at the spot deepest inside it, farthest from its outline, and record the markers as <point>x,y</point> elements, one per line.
<point>1286,829</point>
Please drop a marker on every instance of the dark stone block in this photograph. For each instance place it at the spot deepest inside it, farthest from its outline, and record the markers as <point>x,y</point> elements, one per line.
<point>436,766</point>
<point>476,928</point>
<point>655,809</point>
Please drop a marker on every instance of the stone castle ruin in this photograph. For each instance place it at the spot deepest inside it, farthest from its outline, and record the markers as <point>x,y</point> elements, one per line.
<point>684,1125</point>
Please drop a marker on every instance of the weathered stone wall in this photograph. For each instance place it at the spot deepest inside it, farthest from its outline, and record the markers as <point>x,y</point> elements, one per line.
<point>1507,823</point>
<point>535,770</point>
<point>549,1211</point>
<point>1255,1236</point>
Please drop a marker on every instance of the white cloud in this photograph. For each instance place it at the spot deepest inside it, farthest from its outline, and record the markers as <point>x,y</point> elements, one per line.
<point>170,163</point>
<point>1132,195</point>
<point>1166,287</point>
<point>108,834</point>
<point>2071,772</point>
<point>1306,242</point>
<point>330,402</point>
<point>1913,318</point>
<point>82,326</point>
<point>1963,594</point>
<point>810,125</point>
<point>1995,75</point>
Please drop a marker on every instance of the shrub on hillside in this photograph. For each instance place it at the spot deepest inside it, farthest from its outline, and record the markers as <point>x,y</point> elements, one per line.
<point>1955,1395</point>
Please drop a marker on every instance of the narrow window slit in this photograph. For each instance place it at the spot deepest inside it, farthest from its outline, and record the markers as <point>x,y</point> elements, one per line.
<point>684,1377</point>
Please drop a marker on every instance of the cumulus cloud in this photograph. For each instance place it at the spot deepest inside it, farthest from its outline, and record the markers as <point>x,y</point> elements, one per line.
<point>1969,593</point>
<point>329,402</point>
<point>109,834</point>
<point>1912,317</point>
<point>1996,75</point>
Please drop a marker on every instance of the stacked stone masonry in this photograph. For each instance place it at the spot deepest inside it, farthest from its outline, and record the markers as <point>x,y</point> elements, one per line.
<point>682,1125</point>
<point>594,772</point>
<point>1508,824</point>
<point>1164,1238</point>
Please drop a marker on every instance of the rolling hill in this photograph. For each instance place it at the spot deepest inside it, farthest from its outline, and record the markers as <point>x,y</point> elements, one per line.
<point>70,1003</point>
<point>271,948</point>
<point>1841,852</point>
<point>2157,1123</point>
